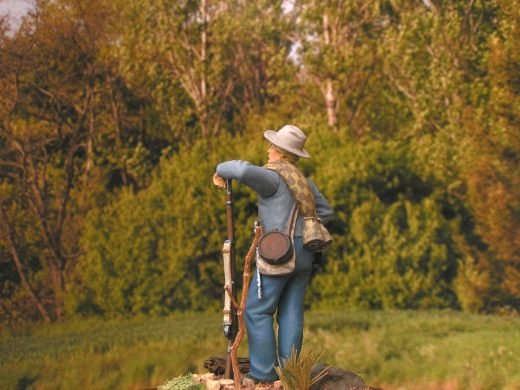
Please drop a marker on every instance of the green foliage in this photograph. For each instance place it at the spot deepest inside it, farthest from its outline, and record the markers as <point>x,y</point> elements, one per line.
<point>158,250</point>
<point>181,383</point>
<point>215,62</point>
<point>393,246</point>
<point>399,233</point>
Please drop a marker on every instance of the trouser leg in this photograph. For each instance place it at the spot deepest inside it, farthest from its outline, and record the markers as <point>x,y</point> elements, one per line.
<point>285,294</point>
<point>291,307</point>
<point>259,323</point>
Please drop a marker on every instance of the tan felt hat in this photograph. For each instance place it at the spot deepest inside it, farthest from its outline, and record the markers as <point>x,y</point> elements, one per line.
<point>289,138</point>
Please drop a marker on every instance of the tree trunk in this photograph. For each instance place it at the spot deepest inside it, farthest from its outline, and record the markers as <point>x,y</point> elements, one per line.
<point>203,82</point>
<point>330,100</point>
<point>90,146</point>
<point>36,198</point>
<point>330,96</point>
<point>19,268</point>
<point>58,285</point>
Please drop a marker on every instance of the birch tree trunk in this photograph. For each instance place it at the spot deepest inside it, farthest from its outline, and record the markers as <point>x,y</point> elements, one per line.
<point>330,96</point>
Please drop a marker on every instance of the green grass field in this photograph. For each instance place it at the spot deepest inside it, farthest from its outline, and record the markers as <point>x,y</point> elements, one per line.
<point>392,350</point>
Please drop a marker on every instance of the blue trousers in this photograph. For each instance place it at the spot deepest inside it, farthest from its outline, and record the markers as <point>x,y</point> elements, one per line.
<point>283,295</point>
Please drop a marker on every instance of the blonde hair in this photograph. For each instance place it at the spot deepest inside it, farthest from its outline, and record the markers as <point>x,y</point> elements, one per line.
<point>287,156</point>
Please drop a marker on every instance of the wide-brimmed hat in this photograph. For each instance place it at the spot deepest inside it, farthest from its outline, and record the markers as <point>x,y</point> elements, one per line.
<point>289,138</point>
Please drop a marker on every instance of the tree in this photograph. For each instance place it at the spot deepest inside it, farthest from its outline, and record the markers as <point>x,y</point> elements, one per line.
<point>158,250</point>
<point>339,46</point>
<point>52,88</point>
<point>490,169</point>
<point>212,60</point>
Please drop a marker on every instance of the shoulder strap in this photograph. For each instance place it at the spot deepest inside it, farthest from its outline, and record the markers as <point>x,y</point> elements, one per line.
<point>298,185</point>
<point>289,229</point>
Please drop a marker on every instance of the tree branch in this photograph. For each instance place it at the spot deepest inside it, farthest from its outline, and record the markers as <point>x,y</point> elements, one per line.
<point>19,268</point>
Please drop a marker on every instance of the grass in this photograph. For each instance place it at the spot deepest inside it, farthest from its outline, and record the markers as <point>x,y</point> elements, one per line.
<point>413,350</point>
<point>115,354</point>
<point>392,350</point>
<point>295,372</point>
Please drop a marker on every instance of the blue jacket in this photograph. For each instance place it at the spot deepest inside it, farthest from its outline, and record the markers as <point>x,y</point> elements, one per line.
<point>275,199</point>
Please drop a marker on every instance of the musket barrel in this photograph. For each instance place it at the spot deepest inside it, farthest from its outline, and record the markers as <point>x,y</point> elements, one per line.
<point>229,212</point>
<point>230,313</point>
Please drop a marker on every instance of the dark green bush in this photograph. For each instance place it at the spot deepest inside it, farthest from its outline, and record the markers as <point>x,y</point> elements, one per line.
<point>159,250</point>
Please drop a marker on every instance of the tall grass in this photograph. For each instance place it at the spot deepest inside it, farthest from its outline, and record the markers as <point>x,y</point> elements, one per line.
<point>295,371</point>
<point>392,350</point>
<point>413,349</point>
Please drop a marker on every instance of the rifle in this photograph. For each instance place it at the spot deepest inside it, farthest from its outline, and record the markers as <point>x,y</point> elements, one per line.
<point>228,252</point>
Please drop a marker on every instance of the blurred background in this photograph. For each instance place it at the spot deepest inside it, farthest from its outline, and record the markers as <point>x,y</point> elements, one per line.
<point>114,114</point>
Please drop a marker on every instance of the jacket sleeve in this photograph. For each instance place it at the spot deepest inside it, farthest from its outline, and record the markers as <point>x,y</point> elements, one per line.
<point>323,208</point>
<point>261,180</point>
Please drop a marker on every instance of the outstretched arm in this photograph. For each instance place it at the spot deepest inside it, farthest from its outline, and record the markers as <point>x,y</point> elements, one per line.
<point>265,182</point>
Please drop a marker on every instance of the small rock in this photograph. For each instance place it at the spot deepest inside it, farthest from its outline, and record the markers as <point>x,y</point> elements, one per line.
<point>213,385</point>
<point>208,377</point>
<point>336,379</point>
<point>247,383</point>
<point>227,382</point>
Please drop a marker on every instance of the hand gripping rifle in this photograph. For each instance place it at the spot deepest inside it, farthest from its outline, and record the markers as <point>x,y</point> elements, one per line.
<point>228,254</point>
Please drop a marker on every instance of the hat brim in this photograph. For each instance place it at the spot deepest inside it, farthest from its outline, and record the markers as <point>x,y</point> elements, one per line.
<point>271,136</point>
